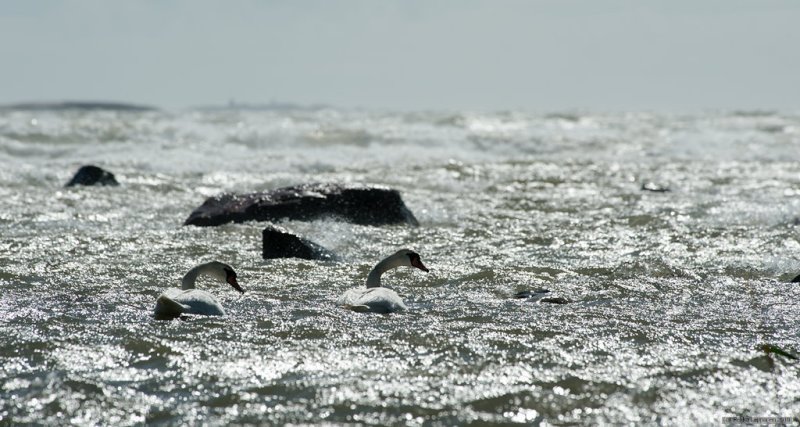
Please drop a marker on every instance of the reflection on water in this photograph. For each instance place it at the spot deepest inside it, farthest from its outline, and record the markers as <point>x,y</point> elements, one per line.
<point>672,293</point>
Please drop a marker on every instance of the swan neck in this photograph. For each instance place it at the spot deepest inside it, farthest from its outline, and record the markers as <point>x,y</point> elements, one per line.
<point>374,278</point>
<point>191,277</point>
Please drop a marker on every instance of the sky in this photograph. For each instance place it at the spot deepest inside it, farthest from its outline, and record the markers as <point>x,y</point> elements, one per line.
<point>677,55</point>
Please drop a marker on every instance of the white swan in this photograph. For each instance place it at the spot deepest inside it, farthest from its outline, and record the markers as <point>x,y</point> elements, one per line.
<point>188,300</point>
<point>374,298</point>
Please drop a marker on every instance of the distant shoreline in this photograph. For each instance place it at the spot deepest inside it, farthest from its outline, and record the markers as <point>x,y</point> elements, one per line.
<point>77,105</point>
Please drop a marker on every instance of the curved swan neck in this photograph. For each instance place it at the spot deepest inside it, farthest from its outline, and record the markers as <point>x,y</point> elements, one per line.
<point>191,276</point>
<point>374,278</point>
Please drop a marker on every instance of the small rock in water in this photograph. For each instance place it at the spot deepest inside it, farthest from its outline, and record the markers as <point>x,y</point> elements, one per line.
<point>279,243</point>
<point>531,294</point>
<point>655,188</point>
<point>92,175</point>
<point>538,295</point>
<point>557,300</point>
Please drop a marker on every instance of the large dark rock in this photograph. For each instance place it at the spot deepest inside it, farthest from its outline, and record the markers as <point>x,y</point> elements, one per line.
<point>279,243</point>
<point>92,175</point>
<point>357,204</point>
<point>796,280</point>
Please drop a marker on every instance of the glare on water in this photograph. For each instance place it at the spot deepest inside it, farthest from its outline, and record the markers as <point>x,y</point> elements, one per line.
<point>671,293</point>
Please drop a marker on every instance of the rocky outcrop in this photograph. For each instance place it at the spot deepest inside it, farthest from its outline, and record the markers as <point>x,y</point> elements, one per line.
<point>92,175</point>
<point>279,243</point>
<point>357,204</point>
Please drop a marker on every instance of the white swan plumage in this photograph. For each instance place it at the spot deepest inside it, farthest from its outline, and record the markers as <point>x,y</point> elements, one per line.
<point>188,300</point>
<point>377,299</point>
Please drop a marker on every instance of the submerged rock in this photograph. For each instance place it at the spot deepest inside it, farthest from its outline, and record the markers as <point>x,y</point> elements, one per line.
<point>357,204</point>
<point>279,243</point>
<point>92,175</point>
<point>655,188</point>
<point>538,295</point>
<point>531,294</point>
<point>555,300</point>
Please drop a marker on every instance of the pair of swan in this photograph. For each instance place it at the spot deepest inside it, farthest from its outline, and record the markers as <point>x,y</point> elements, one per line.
<point>373,298</point>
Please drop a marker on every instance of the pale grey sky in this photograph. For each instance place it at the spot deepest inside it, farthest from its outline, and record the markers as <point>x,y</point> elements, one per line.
<point>676,55</point>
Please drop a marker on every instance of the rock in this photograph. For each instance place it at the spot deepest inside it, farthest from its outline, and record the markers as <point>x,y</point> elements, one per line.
<point>557,300</point>
<point>538,295</point>
<point>531,294</point>
<point>796,280</point>
<point>655,188</point>
<point>92,175</point>
<point>279,243</point>
<point>357,204</point>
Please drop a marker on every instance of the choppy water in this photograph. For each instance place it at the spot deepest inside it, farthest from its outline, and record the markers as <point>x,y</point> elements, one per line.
<point>672,293</point>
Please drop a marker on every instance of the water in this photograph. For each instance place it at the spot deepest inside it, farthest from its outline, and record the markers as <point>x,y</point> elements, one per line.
<point>672,293</point>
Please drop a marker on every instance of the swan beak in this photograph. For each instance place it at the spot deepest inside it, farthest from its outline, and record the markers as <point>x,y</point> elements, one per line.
<point>232,281</point>
<point>416,262</point>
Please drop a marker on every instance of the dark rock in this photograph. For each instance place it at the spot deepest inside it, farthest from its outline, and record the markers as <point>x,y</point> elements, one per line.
<point>92,175</point>
<point>796,280</point>
<point>531,294</point>
<point>557,300</point>
<point>655,188</point>
<point>279,243</point>
<point>538,295</point>
<point>357,204</point>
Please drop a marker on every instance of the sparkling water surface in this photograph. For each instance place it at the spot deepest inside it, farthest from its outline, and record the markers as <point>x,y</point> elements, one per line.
<point>671,293</point>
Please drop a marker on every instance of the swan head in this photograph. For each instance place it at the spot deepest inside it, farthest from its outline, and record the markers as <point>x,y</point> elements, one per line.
<point>224,273</point>
<point>230,277</point>
<point>401,258</point>
<point>410,258</point>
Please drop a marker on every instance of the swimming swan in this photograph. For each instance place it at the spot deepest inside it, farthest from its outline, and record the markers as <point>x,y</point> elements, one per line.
<point>374,298</point>
<point>189,300</point>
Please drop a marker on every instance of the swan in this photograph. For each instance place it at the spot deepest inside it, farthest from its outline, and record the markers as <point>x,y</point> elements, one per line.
<point>375,298</point>
<point>188,300</point>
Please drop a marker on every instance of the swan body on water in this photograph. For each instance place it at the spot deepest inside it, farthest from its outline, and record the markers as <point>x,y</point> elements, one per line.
<point>188,300</point>
<point>374,298</point>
